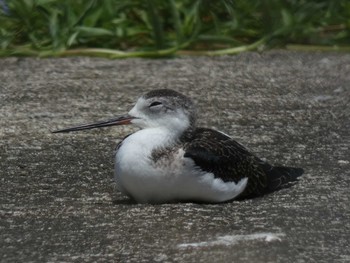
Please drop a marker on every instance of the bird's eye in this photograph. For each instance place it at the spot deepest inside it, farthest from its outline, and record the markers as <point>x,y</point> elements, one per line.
<point>155,103</point>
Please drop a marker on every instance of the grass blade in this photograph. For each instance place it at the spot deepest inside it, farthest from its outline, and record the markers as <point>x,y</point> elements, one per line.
<point>155,20</point>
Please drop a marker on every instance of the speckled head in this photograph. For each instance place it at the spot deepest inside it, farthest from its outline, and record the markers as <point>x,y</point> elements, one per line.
<point>172,98</point>
<point>166,108</point>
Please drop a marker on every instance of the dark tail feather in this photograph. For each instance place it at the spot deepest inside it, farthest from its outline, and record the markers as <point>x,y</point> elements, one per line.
<point>281,177</point>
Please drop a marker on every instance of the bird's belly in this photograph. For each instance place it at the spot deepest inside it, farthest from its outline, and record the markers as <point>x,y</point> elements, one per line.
<point>169,180</point>
<point>151,175</point>
<point>145,180</point>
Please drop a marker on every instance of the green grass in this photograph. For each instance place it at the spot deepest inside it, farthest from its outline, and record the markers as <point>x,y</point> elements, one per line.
<point>158,28</point>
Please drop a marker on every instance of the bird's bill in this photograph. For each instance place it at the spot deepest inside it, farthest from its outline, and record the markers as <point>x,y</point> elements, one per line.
<point>121,120</point>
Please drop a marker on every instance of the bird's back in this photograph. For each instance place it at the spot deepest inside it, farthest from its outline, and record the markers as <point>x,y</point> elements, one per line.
<point>228,160</point>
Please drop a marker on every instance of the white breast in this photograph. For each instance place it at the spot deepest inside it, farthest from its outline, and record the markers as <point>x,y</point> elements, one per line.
<point>177,179</point>
<point>133,167</point>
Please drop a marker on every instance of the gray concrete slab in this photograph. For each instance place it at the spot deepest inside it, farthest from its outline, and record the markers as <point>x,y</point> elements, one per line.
<point>58,200</point>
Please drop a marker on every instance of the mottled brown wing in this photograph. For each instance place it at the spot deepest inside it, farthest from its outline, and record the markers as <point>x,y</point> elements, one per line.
<point>228,160</point>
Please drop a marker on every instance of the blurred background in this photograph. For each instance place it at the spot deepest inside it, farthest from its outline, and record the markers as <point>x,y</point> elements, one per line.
<point>156,28</point>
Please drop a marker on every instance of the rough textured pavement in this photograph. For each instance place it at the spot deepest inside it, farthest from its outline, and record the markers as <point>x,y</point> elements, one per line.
<point>58,199</point>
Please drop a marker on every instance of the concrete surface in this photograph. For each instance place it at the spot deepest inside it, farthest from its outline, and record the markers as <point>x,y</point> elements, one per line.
<point>58,201</point>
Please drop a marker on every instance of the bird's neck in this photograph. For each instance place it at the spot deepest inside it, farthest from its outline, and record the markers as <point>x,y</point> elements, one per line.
<point>151,138</point>
<point>147,140</point>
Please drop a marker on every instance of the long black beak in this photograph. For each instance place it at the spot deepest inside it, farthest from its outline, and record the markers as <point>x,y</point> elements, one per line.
<point>121,120</point>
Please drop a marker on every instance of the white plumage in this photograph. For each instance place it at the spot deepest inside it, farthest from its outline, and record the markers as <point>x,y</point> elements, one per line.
<point>175,179</point>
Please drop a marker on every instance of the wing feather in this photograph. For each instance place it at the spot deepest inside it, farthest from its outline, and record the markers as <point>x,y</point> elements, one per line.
<point>228,160</point>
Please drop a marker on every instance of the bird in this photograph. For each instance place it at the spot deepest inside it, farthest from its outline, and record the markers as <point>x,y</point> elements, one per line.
<point>170,159</point>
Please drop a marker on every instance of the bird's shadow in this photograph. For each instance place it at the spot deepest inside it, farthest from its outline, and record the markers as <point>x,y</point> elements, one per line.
<point>132,202</point>
<point>125,201</point>
<point>129,201</point>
